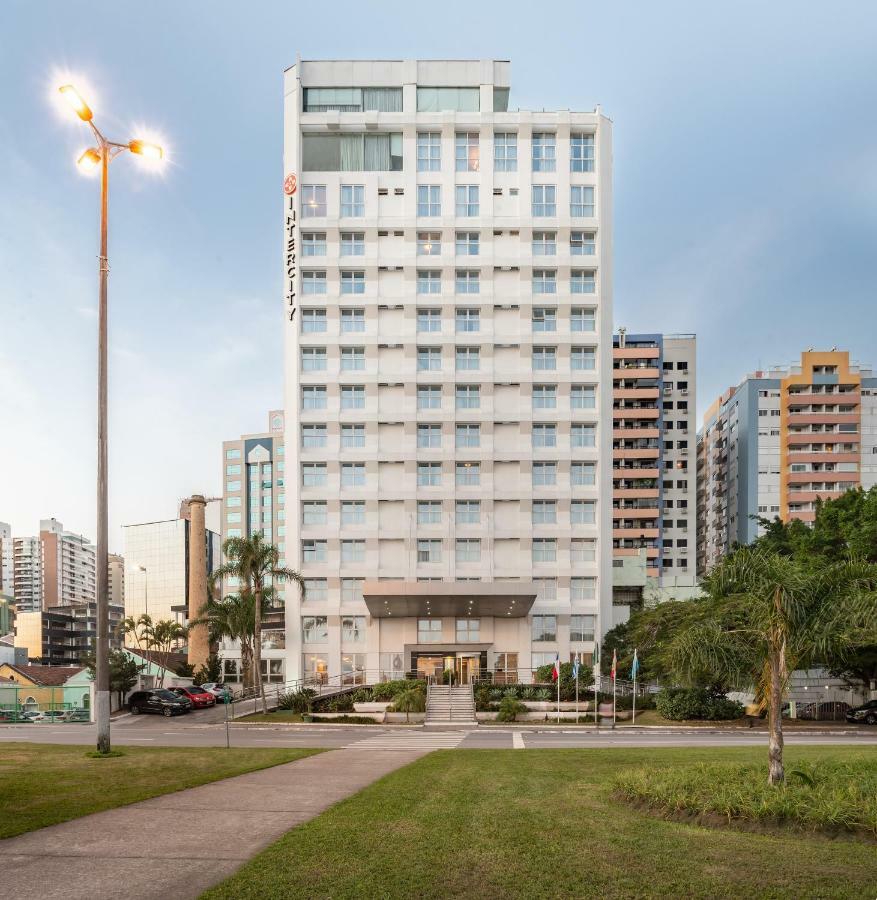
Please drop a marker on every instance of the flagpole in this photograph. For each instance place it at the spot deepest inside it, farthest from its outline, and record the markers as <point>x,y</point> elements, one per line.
<point>577,689</point>
<point>558,690</point>
<point>596,681</point>
<point>633,722</point>
<point>614,686</point>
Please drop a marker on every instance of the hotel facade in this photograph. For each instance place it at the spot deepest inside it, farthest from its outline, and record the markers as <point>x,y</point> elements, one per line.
<point>448,397</point>
<point>778,442</point>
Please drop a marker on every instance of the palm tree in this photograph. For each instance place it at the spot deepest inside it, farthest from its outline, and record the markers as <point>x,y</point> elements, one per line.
<point>138,628</point>
<point>785,618</point>
<point>409,701</point>
<point>255,564</point>
<point>164,636</point>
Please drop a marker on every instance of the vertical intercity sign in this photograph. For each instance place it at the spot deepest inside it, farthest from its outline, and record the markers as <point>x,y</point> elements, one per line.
<point>289,187</point>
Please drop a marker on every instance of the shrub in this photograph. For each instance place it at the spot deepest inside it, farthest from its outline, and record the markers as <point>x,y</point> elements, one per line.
<point>529,693</point>
<point>297,701</point>
<point>482,697</point>
<point>351,720</point>
<point>679,704</point>
<point>541,694</point>
<point>409,701</point>
<point>362,695</point>
<point>509,709</point>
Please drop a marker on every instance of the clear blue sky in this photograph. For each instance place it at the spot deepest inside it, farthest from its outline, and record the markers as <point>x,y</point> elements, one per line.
<point>745,186</point>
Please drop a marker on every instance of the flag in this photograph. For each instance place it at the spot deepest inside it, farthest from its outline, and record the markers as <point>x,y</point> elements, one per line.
<point>597,658</point>
<point>555,672</point>
<point>575,667</point>
<point>614,666</point>
<point>635,667</point>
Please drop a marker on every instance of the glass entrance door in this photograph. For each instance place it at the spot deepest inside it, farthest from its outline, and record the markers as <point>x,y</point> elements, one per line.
<point>468,667</point>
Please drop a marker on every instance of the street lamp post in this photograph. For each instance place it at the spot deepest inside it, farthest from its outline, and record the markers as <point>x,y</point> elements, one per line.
<point>94,157</point>
<point>145,590</point>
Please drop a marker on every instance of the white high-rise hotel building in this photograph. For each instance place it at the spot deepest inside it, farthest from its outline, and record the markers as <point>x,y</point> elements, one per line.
<point>448,296</point>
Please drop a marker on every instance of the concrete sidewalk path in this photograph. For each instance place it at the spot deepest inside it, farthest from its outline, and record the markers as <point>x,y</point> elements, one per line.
<point>178,845</point>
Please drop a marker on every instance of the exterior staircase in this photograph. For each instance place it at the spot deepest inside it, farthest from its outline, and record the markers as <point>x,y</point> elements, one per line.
<point>450,705</point>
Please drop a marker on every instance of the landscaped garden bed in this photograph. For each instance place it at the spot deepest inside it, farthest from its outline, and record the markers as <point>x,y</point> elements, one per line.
<point>827,795</point>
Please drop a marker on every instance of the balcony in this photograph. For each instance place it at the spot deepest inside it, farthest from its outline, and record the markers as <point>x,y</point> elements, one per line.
<point>635,393</point>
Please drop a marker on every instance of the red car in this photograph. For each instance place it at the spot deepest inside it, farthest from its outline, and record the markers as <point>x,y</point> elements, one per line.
<point>196,695</point>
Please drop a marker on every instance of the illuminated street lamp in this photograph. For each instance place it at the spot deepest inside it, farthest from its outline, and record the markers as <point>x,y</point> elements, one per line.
<point>91,160</point>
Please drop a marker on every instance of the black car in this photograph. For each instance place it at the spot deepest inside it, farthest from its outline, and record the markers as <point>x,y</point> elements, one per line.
<point>165,703</point>
<point>866,713</point>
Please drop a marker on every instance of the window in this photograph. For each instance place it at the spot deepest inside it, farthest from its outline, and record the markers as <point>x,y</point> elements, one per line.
<point>544,243</point>
<point>468,630</point>
<point>544,281</point>
<point>353,200</point>
<point>429,281</point>
<point>429,474</point>
<point>544,200</point>
<point>505,151</point>
<point>429,243</point>
<point>429,631</point>
<point>468,512</point>
<point>352,551</point>
<point>466,151</point>
<point>544,396</point>
<point>429,320</point>
<point>313,396</point>
<point>448,99</point>
<point>429,551</point>
<point>429,437</point>
<point>352,628</point>
<point>466,243</point>
<point>583,396</point>
<point>544,473</point>
<point>583,589</point>
<point>352,475</point>
<point>583,512</point>
<point>466,319</point>
<point>581,153</point>
<point>313,474</point>
<point>313,282</point>
<point>468,436</point>
<point>233,517</point>
<point>313,551</point>
<point>429,512</point>
<point>467,550</point>
<point>233,454</point>
<point>468,474</point>
<point>353,243</point>
<point>583,319</point>
<point>429,396</point>
<point>429,359</point>
<point>467,281</point>
<point>583,435</point>
<point>313,512</point>
<point>583,282</point>
<point>468,396</point>
<point>583,474</point>
<point>233,501</point>
<point>466,200</point>
<point>467,358</point>
<point>581,551</point>
<point>313,200</point>
<point>544,512</point>
<point>313,243</point>
<point>581,628</point>
<point>544,435</point>
<point>544,628</point>
<point>582,243</point>
<point>352,359</point>
<point>544,152</point>
<point>544,358</point>
<point>316,589</point>
<point>352,99</point>
<point>233,470</point>
<point>313,320</point>
<point>352,320</point>
<point>314,629</point>
<point>544,318</point>
<point>352,396</point>
<point>353,512</point>
<point>584,358</point>
<point>352,436</point>
<point>352,152</point>
<point>429,200</point>
<point>581,201</point>
<point>429,151</point>
<point>313,359</point>
<point>544,550</point>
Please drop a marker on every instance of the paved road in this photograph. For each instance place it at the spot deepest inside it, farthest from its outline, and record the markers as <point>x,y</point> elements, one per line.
<point>191,731</point>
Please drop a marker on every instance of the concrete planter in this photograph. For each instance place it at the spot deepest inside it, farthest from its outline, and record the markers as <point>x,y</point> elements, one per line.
<point>371,707</point>
<point>378,717</point>
<point>398,717</point>
<point>547,706</point>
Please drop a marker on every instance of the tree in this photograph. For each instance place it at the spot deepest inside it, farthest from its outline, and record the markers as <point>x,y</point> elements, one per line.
<point>140,629</point>
<point>210,672</point>
<point>255,564</point>
<point>784,617</point>
<point>409,701</point>
<point>165,636</point>
<point>232,618</point>
<point>124,671</point>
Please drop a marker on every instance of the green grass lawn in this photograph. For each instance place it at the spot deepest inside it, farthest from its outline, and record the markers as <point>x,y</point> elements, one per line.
<point>43,784</point>
<point>545,823</point>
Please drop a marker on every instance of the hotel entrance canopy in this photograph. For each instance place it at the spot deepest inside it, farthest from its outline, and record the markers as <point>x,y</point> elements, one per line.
<point>448,598</point>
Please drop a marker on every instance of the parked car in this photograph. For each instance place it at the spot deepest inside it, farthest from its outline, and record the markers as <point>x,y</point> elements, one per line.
<point>165,703</point>
<point>222,692</point>
<point>827,711</point>
<point>13,715</point>
<point>50,715</point>
<point>29,715</point>
<point>77,715</point>
<point>866,713</point>
<point>199,696</point>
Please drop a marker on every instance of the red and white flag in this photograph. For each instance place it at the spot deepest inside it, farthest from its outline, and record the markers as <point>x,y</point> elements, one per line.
<point>614,665</point>
<point>555,672</point>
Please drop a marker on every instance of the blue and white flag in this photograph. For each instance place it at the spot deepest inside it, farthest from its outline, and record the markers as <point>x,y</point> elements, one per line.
<point>635,667</point>
<point>575,667</point>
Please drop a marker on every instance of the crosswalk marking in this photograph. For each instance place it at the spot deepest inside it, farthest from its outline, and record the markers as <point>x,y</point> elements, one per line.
<point>439,740</point>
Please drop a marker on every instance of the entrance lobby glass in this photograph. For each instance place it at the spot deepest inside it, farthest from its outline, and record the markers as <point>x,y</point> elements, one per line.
<point>430,666</point>
<point>468,667</point>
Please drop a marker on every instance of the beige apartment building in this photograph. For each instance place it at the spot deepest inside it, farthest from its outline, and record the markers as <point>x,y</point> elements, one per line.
<point>448,438</point>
